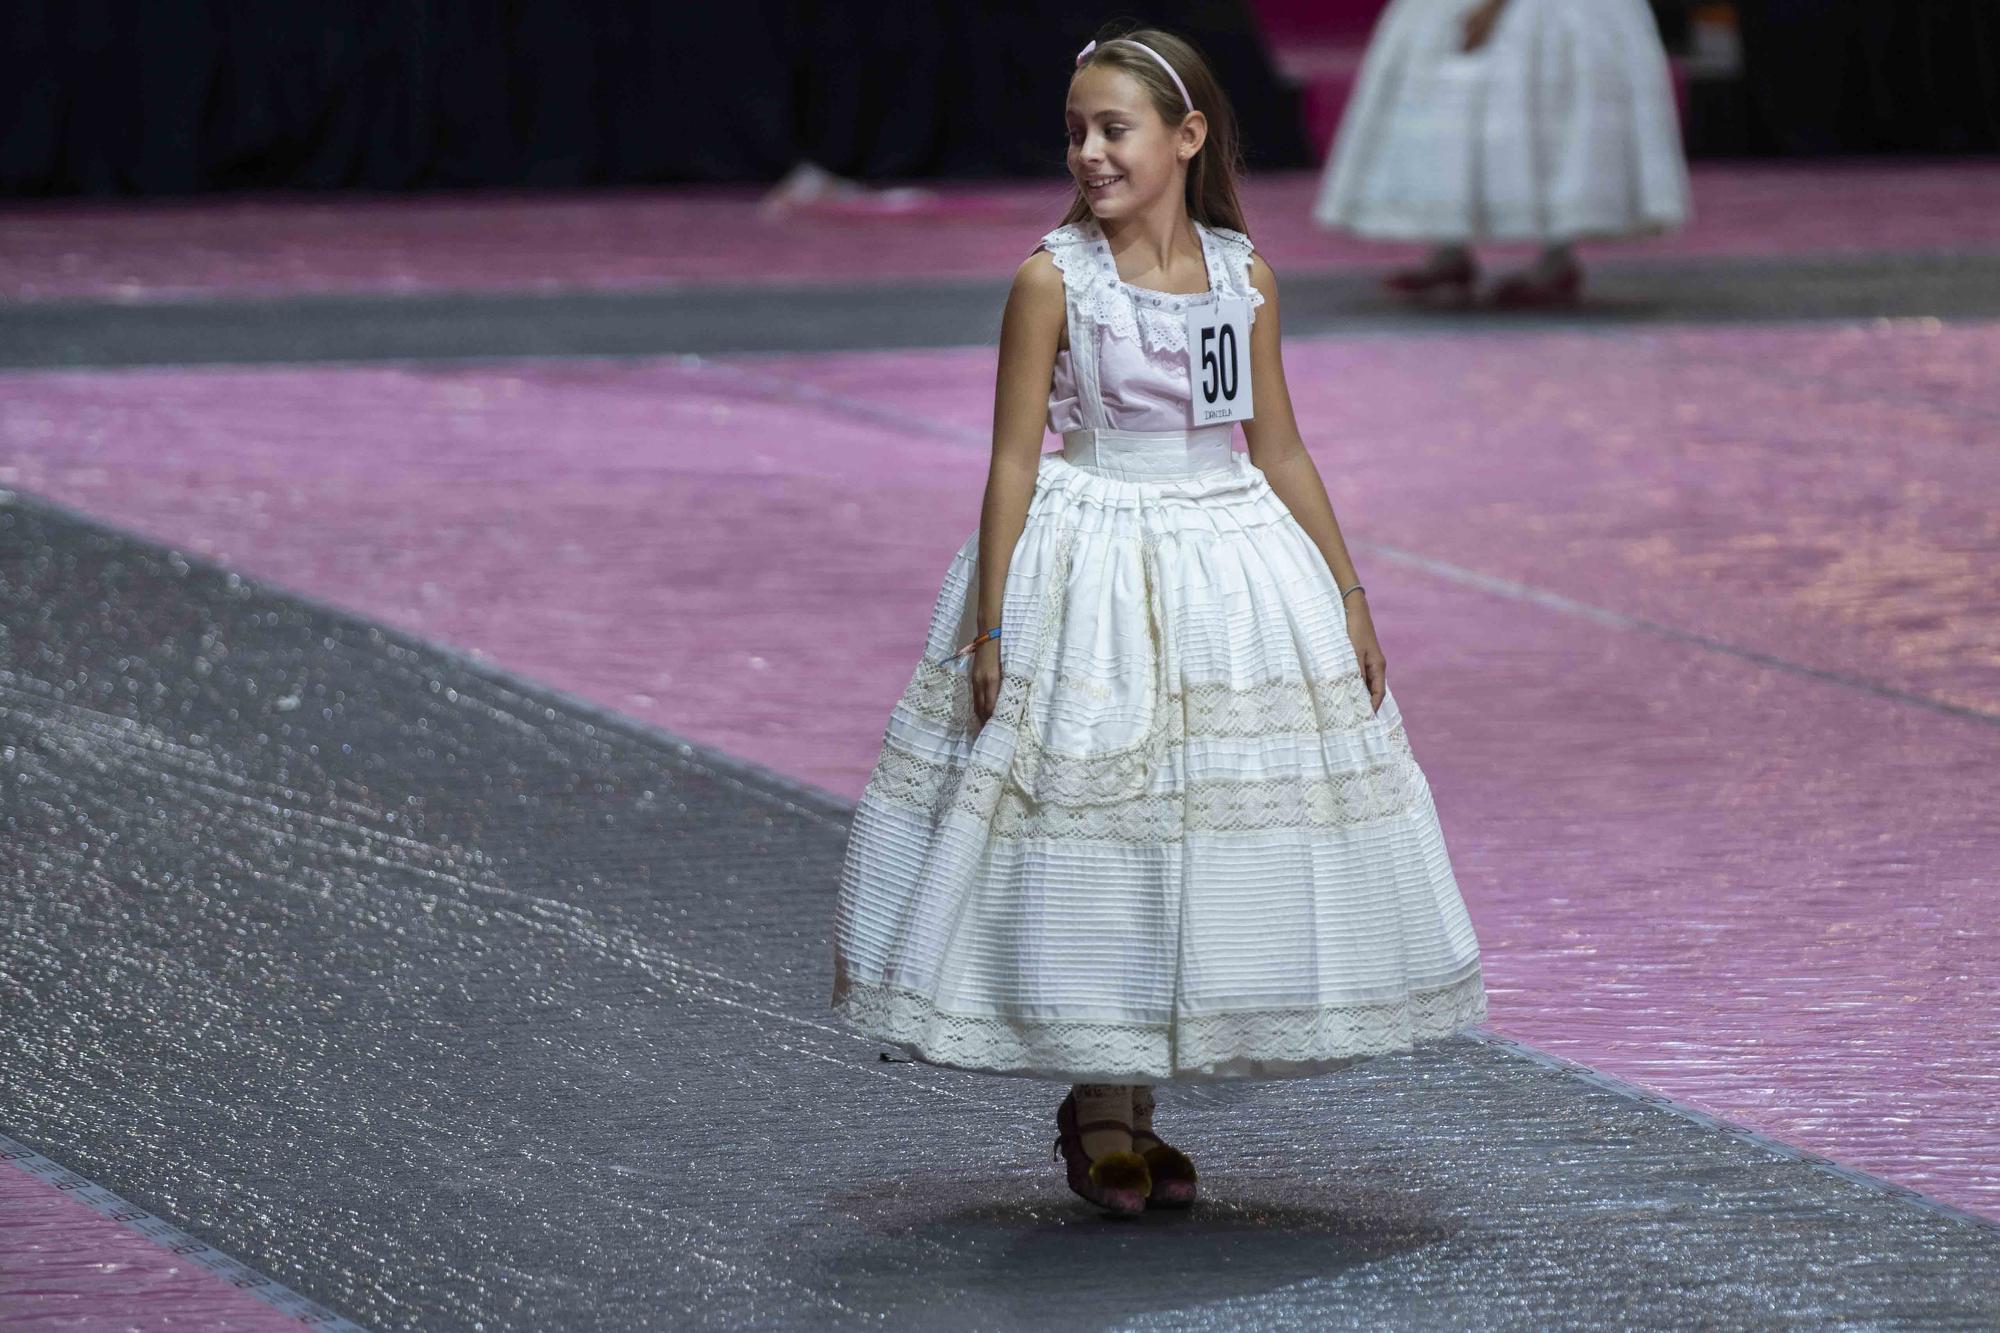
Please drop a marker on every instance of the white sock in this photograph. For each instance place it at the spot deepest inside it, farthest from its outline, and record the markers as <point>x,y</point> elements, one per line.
<point>1104,1101</point>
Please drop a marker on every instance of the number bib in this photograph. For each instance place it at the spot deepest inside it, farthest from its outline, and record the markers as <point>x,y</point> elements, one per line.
<point>1219,361</point>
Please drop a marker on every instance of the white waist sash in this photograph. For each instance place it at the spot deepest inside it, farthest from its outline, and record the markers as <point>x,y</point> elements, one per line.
<point>1149,455</point>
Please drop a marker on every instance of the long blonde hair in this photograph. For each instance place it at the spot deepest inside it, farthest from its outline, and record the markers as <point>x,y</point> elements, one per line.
<point>1212,178</point>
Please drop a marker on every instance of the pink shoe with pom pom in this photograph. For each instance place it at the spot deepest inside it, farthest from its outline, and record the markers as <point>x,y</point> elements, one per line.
<point>1171,1169</point>
<point>1118,1181</point>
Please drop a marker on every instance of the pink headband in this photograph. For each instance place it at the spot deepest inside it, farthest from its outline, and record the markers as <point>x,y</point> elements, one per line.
<point>1186,101</point>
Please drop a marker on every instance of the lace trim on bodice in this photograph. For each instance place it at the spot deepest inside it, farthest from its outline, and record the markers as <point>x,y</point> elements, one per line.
<point>1157,320</point>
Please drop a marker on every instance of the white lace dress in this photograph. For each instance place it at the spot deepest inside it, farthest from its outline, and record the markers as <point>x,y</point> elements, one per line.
<point>1561,127</point>
<point>1183,847</point>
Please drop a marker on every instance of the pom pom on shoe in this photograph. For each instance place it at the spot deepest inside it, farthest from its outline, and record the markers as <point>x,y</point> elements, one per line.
<point>1173,1177</point>
<point>1122,1171</point>
<point>1168,1163</point>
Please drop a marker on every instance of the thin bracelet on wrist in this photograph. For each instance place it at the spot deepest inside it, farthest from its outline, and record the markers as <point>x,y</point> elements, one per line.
<point>983,636</point>
<point>1356,588</point>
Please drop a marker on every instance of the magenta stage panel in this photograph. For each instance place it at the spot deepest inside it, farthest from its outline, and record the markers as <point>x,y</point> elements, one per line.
<point>628,240</point>
<point>64,1266</point>
<point>1687,625</point>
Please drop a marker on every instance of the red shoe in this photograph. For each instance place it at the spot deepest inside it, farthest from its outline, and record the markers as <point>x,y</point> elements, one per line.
<point>1118,1181</point>
<point>1172,1170</point>
<point>1454,279</point>
<point>1528,290</point>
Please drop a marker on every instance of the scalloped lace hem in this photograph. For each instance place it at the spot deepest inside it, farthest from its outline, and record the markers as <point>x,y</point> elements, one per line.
<point>1239,1044</point>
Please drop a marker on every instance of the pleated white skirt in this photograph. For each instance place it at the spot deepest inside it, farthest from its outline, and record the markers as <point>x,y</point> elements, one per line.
<point>1183,847</point>
<point>1561,127</point>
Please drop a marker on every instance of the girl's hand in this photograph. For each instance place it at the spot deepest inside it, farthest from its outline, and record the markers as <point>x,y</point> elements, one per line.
<point>1479,21</point>
<point>985,675</point>
<point>1367,650</point>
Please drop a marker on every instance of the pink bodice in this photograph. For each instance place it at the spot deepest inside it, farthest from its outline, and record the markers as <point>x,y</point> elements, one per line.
<point>1139,336</point>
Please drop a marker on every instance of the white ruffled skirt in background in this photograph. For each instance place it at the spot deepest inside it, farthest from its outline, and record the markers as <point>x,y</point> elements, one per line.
<point>1183,847</point>
<point>1561,127</point>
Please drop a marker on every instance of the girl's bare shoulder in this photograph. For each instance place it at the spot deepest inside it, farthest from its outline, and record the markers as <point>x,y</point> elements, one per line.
<point>1037,294</point>
<point>1039,277</point>
<point>1261,275</point>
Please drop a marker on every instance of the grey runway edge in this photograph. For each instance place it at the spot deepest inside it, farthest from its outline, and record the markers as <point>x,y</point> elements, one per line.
<point>453,1004</point>
<point>876,316</point>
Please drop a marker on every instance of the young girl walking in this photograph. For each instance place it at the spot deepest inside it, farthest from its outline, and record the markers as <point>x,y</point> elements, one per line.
<point>1146,812</point>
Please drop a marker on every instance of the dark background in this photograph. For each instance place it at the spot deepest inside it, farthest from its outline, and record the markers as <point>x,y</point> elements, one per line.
<point>104,97</point>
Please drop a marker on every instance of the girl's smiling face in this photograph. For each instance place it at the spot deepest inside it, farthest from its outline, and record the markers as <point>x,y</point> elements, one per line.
<point>1123,155</point>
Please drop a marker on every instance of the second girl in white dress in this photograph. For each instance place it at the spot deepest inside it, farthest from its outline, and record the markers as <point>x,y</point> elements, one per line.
<point>1551,121</point>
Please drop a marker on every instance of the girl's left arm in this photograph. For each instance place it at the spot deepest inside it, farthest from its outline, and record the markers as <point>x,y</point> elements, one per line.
<point>1279,453</point>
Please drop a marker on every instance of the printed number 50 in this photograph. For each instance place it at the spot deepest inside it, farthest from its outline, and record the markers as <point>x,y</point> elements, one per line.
<point>1218,362</point>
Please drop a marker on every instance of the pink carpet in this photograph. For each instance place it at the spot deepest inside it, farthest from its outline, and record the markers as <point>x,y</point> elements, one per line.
<point>268,246</point>
<point>65,1267</point>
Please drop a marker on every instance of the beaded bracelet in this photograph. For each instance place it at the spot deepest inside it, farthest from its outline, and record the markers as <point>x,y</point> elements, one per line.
<point>993,633</point>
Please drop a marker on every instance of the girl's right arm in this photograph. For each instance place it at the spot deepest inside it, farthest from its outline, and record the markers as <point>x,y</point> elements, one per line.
<point>1031,332</point>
